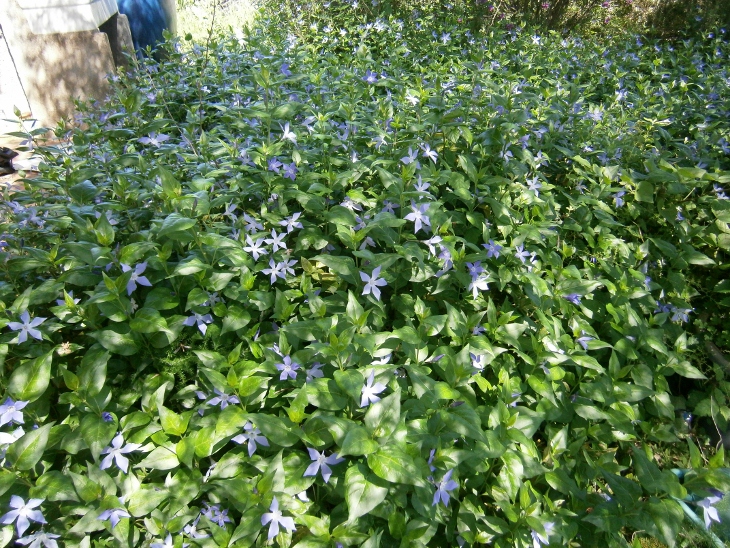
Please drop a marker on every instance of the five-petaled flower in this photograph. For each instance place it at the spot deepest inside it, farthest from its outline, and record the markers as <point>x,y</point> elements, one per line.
<point>38,539</point>
<point>154,139</point>
<point>572,298</point>
<point>710,512</point>
<point>168,543</point>
<point>136,277</point>
<point>539,538</point>
<point>288,368</point>
<point>314,372</point>
<point>113,515</point>
<point>253,436</point>
<point>10,412</point>
<point>429,153</point>
<point>201,320</point>
<point>618,198</point>
<point>115,452</point>
<point>370,390</point>
<point>23,512</point>
<point>27,327</point>
<point>276,518</point>
<point>321,462</point>
<point>443,487</point>
<point>372,283</point>
<point>493,249</point>
<point>419,217</point>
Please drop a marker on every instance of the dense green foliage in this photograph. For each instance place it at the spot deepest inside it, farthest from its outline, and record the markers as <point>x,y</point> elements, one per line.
<point>460,274</point>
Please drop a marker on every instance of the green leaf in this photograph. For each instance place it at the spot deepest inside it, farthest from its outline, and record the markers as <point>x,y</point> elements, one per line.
<point>117,339</point>
<point>96,432</point>
<point>236,318</point>
<point>30,380</point>
<point>28,449</point>
<point>393,464</point>
<point>277,430</point>
<point>171,422</point>
<point>161,458</point>
<point>358,442</point>
<point>83,192</point>
<point>142,501</point>
<point>175,225</point>
<point>92,371</point>
<point>342,266</point>
<point>668,517</point>
<point>645,192</point>
<point>363,491</point>
<point>383,416</point>
<point>350,381</point>
<point>626,491</point>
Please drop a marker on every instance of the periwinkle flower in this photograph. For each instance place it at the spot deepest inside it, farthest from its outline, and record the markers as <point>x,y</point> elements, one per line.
<point>521,254</point>
<point>22,513</point>
<point>443,487</point>
<point>115,452</point>
<point>480,283</point>
<point>38,539</point>
<point>292,222</point>
<point>572,298</point>
<point>618,198</point>
<point>287,134</point>
<point>314,372</point>
<point>113,515</point>
<point>539,538</point>
<point>252,436</point>
<point>276,240</point>
<point>429,153</point>
<point>419,217</point>
<point>136,277</point>
<point>321,462</point>
<point>26,326</point>
<point>372,283</point>
<point>276,518</point>
<point>154,139</point>
<point>222,399</point>
<point>255,248</point>
<point>275,270</point>
<point>288,369</point>
<point>201,320</point>
<point>370,390</point>
<point>709,511</point>
<point>290,171</point>
<point>274,165</point>
<point>214,513</point>
<point>583,341</point>
<point>10,412</point>
<point>493,249</point>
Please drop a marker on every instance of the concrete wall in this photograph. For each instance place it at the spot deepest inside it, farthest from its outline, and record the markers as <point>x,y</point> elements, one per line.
<point>55,69</point>
<point>12,95</point>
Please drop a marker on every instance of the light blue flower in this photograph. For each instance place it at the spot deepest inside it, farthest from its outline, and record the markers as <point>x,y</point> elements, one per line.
<point>27,327</point>
<point>372,283</point>
<point>10,412</point>
<point>136,277</point>
<point>276,518</point>
<point>113,515</point>
<point>443,487</point>
<point>370,390</point>
<point>39,538</point>
<point>321,462</point>
<point>252,436</point>
<point>493,249</point>
<point>115,452</point>
<point>22,512</point>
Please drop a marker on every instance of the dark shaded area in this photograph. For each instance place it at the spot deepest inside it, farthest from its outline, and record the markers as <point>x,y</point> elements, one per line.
<point>6,160</point>
<point>148,20</point>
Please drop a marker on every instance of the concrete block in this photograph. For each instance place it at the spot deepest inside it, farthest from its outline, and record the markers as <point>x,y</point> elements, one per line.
<point>55,69</point>
<point>54,16</point>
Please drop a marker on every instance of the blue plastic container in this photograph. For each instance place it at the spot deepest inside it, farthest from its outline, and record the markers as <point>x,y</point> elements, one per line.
<point>147,21</point>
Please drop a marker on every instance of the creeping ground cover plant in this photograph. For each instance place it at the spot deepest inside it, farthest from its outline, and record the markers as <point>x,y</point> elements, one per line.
<point>393,284</point>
